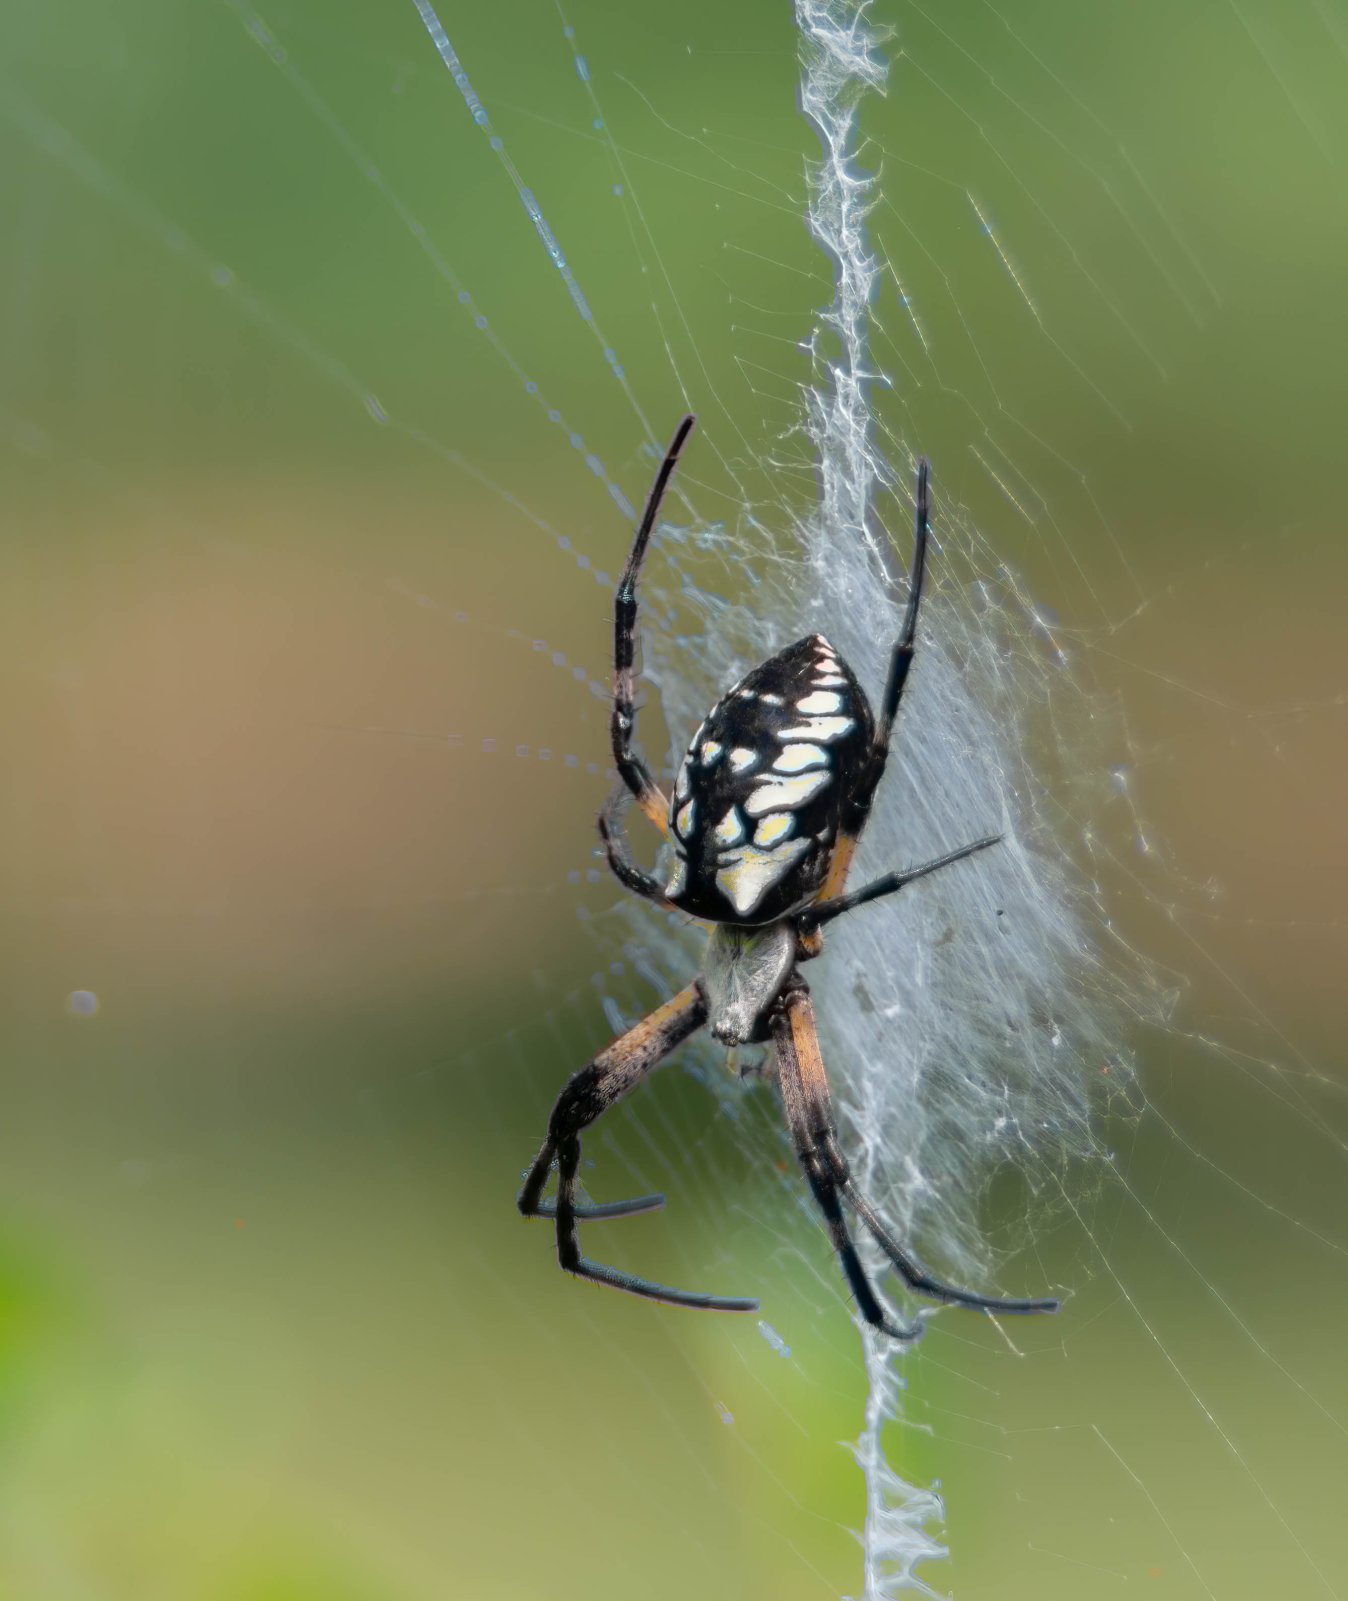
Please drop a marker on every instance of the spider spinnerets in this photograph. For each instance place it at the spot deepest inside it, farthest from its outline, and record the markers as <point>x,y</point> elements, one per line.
<point>768,805</point>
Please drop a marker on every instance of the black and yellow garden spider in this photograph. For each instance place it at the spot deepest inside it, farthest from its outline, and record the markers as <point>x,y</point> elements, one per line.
<point>769,803</point>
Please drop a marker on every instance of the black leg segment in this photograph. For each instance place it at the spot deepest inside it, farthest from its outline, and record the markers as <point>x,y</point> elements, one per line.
<point>787,1031</point>
<point>901,657</point>
<point>812,1123</point>
<point>826,911</point>
<point>586,1097</point>
<point>623,868</point>
<point>631,769</point>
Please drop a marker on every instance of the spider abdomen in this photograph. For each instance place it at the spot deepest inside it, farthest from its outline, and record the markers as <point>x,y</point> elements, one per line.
<point>760,792</point>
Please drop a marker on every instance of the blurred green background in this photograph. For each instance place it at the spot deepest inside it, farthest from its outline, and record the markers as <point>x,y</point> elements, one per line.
<point>302,596</point>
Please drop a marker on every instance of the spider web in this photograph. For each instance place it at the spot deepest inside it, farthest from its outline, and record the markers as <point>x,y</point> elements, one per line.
<point>339,350</point>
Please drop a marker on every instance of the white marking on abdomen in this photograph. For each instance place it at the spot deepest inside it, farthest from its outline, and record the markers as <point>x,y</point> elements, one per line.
<point>796,758</point>
<point>730,830</point>
<point>778,794</point>
<point>824,728</point>
<point>774,828</point>
<point>745,882</point>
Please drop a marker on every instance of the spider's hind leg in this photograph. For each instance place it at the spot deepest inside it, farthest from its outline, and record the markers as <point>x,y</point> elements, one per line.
<point>900,661</point>
<point>901,656</point>
<point>621,865</point>
<point>622,728</point>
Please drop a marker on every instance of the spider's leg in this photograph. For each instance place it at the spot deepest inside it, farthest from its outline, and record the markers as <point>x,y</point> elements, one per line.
<point>919,1278</point>
<point>624,869</point>
<point>587,1095</point>
<point>596,1212</point>
<point>818,1170</point>
<point>826,911</point>
<point>601,1083</point>
<point>818,1115</point>
<point>900,660</point>
<point>569,1253</point>
<point>901,657</point>
<point>631,769</point>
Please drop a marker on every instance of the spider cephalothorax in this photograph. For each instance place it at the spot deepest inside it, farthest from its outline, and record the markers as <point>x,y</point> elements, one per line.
<point>768,805</point>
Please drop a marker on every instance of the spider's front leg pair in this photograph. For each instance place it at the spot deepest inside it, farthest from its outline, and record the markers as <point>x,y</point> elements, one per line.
<point>588,1094</point>
<point>623,1065</point>
<point>809,1113</point>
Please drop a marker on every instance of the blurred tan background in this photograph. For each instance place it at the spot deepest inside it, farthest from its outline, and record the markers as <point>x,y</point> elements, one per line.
<point>303,757</point>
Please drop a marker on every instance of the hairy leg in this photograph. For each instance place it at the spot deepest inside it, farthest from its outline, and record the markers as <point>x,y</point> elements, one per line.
<point>587,1095</point>
<point>799,1014</point>
<point>631,769</point>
